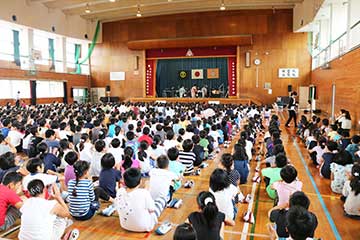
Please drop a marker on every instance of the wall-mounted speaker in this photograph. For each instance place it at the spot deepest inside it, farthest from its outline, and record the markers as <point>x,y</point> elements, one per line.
<point>107,88</point>
<point>14,18</point>
<point>136,62</point>
<point>247,59</point>
<point>53,29</point>
<point>289,88</point>
<point>86,36</point>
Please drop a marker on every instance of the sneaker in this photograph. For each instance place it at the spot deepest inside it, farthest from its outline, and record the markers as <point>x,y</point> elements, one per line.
<point>249,217</point>
<point>69,222</point>
<point>197,172</point>
<point>74,234</point>
<point>257,169</point>
<point>178,204</point>
<point>204,165</point>
<point>189,184</point>
<point>164,228</point>
<point>108,211</point>
<point>258,158</point>
<point>247,198</point>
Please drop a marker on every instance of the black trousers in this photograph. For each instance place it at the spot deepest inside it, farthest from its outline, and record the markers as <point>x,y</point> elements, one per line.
<point>101,193</point>
<point>292,115</point>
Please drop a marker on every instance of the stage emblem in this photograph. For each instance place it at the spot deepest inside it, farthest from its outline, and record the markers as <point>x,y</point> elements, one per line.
<point>189,53</point>
<point>212,73</point>
<point>197,74</point>
<point>182,74</point>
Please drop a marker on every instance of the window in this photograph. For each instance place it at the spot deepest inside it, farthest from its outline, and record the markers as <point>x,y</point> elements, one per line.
<point>70,54</point>
<point>9,89</point>
<point>49,89</point>
<point>6,43</point>
<point>41,45</point>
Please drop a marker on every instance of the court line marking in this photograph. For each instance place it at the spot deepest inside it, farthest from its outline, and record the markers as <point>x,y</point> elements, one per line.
<point>246,225</point>
<point>321,200</point>
<point>256,210</point>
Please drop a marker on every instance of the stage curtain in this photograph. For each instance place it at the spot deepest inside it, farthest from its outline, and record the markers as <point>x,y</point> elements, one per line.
<point>16,44</point>
<point>167,73</point>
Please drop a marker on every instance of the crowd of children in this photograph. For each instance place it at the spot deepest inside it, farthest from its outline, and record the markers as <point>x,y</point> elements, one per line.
<point>63,159</point>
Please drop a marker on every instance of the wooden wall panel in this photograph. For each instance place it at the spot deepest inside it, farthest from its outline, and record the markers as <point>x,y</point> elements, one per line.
<point>344,73</point>
<point>73,80</point>
<point>272,33</point>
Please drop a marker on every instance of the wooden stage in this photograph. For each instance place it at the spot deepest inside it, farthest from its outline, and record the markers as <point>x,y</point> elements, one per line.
<point>200,100</point>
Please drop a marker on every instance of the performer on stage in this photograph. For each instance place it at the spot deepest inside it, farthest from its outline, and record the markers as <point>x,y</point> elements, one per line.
<point>292,109</point>
<point>182,91</point>
<point>204,91</point>
<point>193,91</point>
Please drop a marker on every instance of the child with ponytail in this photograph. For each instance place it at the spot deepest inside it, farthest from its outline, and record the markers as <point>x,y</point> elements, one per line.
<point>129,161</point>
<point>209,222</point>
<point>82,199</point>
<point>351,191</point>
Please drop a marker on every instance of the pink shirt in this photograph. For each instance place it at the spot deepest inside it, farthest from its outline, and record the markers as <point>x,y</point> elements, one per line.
<point>135,164</point>
<point>285,190</point>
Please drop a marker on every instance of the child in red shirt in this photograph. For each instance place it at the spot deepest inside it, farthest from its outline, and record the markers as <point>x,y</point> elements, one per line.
<point>10,202</point>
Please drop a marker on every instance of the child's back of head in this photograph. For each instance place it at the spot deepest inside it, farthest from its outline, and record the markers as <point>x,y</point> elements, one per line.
<point>107,161</point>
<point>132,177</point>
<point>300,223</point>
<point>100,145</point>
<point>187,145</point>
<point>288,174</point>
<point>71,157</point>
<point>173,154</point>
<point>162,162</point>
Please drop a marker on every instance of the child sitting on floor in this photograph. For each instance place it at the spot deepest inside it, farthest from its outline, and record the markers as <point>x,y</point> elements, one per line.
<point>352,193</point>
<point>330,151</point>
<point>109,177</point>
<point>69,174</point>
<point>100,150</point>
<point>227,163</point>
<point>83,202</point>
<point>162,180</point>
<point>138,212</point>
<point>10,202</point>
<point>225,193</point>
<point>187,157</point>
<point>287,186</point>
<point>129,161</point>
<point>175,166</point>
<point>209,222</point>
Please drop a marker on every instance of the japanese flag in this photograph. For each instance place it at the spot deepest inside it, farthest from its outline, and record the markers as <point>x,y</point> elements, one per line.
<point>197,74</point>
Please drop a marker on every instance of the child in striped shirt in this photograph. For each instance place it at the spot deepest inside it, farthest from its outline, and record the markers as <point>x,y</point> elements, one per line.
<point>187,157</point>
<point>83,202</point>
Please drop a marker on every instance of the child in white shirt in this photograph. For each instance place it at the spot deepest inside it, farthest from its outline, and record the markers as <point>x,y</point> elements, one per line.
<point>161,179</point>
<point>138,212</point>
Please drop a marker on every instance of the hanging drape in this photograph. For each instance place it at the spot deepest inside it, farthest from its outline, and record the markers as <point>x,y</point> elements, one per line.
<point>16,44</point>
<point>167,73</point>
<point>52,54</point>
<point>77,57</point>
<point>65,93</point>
<point>91,48</point>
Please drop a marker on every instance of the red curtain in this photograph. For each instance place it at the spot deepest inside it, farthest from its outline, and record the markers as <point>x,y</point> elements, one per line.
<point>150,75</point>
<point>232,76</point>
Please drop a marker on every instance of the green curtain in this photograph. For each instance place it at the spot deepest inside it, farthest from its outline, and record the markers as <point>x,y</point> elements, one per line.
<point>52,53</point>
<point>167,73</point>
<point>77,56</point>
<point>16,48</point>
<point>91,48</point>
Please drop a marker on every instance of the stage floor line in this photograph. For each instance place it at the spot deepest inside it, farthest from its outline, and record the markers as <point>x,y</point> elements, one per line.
<point>201,100</point>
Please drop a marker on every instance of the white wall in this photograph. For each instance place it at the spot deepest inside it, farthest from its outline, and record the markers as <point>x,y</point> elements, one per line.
<point>36,15</point>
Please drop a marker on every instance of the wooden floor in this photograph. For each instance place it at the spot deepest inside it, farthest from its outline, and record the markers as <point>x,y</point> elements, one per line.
<point>101,227</point>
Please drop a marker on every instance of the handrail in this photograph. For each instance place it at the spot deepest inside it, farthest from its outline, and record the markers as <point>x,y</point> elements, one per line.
<point>333,41</point>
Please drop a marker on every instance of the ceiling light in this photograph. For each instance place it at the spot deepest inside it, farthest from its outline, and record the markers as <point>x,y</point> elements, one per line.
<point>87,10</point>
<point>138,13</point>
<point>112,0</point>
<point>222,6</point>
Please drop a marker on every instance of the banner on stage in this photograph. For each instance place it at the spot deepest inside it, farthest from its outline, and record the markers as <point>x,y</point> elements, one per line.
<point>183,74</point>
<point>212,73</point>
<point>197,74</point>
